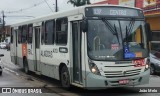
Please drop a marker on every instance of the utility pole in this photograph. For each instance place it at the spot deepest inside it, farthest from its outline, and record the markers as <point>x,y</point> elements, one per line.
<point>56,9</point>
<point>3,25</point>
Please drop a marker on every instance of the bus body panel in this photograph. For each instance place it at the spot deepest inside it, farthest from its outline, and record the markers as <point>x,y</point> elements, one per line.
<point>30,57</point>
<point>19,55</point>
<point>101,82</point>
<point>50,60</point>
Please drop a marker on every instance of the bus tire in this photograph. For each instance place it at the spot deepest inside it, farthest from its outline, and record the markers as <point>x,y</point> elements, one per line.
<point>26,68</point>
<point>152,69</point>
<point>65,78</point>
<point>0,73</point>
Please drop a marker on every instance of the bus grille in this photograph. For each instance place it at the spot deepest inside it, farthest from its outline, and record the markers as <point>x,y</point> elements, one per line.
<point>114,74</point>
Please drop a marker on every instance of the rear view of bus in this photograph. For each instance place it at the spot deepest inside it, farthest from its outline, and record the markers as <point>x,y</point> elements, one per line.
<point>117,46</point>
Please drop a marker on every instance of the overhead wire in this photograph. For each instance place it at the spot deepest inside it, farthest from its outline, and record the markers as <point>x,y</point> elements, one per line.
<point>48,6</point>
<point>24,9</point>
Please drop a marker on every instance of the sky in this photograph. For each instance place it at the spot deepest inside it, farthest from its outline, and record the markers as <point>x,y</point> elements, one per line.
<point>22,10</point>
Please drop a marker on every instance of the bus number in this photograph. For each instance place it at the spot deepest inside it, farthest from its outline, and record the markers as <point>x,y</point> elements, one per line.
<point>55,50</point>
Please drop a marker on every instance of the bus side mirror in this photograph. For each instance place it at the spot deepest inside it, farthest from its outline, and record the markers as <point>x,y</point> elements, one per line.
<point>84,25</point>
<point>148,31</point>
<point>1,55</point>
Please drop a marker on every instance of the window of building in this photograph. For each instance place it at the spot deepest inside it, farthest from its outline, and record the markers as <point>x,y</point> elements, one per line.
<point>30,33</point>
<point>61,31</point>
<point>49,32</point>
<point>155,35</point>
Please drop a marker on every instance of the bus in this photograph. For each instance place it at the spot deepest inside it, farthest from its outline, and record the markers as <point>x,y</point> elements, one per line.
<point>93,46</point>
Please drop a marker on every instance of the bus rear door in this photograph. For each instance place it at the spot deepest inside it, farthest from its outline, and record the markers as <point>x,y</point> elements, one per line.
<point>36,49</point>
<point>14,57</point>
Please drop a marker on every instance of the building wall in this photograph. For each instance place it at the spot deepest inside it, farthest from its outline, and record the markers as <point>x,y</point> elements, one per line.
<point>7,30</point>
<point>139,3</point>
<point>114,2</point>
<point>154,23</point>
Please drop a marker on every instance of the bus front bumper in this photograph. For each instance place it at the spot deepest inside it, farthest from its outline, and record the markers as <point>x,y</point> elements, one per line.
<point>101,82</point>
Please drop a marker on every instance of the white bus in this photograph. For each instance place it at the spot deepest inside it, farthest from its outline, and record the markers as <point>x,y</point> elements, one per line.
<point>94,46</point>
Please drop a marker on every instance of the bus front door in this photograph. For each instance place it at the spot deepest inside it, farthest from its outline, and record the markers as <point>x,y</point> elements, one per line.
<point>76,43</point>
<point>37,48</point>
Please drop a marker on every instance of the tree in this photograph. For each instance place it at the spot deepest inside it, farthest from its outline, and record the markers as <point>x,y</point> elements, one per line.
<point>79,2</point>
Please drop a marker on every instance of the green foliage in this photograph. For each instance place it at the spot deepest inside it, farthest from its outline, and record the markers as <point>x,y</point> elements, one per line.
<point>79,2</point>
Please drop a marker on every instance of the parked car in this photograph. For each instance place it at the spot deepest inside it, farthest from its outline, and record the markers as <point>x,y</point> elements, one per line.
<point>7,41</point>
<point>155,62</point>
<point>1,65</point>
<point>155,57</point>
<point>8,46</point>
<point>2,45</point>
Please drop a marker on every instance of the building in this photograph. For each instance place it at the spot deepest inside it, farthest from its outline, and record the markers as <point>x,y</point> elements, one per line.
<point>132,3</point>
<point>152,14</point>
<point>4,32</point>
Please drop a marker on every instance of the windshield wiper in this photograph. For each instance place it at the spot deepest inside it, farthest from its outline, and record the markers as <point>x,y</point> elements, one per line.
<point>130,27</point>
<point>111,28</point>
<point>126,40</point>
<point>108,25</point>
<point>116,33</point>
<point>128,30</point>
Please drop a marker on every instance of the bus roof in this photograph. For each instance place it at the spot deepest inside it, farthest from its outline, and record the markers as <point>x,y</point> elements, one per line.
<point>60,14</point>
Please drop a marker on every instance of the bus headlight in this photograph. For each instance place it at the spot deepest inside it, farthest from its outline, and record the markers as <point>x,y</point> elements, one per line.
<point>94,69</point>
<point>147,66</point>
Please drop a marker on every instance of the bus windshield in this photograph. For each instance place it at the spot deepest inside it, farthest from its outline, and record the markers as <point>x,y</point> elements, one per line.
<point>116,39</point>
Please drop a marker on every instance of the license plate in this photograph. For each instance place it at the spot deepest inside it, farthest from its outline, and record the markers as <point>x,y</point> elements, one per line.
<point>123,81</point>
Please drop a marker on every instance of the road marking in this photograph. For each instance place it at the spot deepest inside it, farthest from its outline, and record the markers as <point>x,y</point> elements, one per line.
<point>11,71</point>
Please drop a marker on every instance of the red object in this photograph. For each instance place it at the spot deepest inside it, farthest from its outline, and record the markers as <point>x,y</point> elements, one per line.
<point>139,3</point>
<point>123,81</point>
<point>114,46</point>
<point>139,62</point>
<point>114,2</point>
<point>103,2</point>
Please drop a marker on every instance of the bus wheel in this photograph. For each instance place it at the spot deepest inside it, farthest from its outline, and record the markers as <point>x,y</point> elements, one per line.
<point>26,69</point>
<point>65,78</point>
<point>152,70</point>
<point>0,73</point>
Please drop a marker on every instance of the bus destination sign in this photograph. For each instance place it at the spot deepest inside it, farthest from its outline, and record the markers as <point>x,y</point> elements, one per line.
<point>114,12</point>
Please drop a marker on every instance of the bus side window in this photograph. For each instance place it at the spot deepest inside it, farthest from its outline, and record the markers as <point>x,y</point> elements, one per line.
<point>42,34</point>
<point>30,33</point>
<point>24,33</point>
<point>12,29</point>
<point>49,32</point>
<point>19,34</point>
<point>61,31</point>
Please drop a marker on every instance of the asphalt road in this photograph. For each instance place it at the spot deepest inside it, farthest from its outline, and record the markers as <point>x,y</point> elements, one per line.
<point>13,76</point>
<point>12,79</point>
